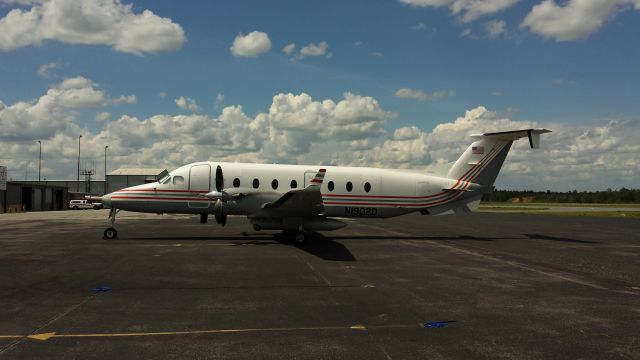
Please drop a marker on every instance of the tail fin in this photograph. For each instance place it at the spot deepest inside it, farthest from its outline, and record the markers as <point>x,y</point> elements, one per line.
<point>316,182</point>
<point>481,162</point>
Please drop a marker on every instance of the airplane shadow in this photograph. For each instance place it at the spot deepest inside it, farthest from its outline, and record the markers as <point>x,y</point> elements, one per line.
<point>554,238</point>
<point>395,237</point>
<point>317,244</point>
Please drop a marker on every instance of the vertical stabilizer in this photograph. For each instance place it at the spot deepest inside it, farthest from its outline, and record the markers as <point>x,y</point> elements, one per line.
<point>483,159</point>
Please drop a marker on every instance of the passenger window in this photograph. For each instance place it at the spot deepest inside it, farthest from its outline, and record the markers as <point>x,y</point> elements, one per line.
<point>236,182</point>
<point>349,186</point>
<point>294,184</point>
<point>178,180</point>
<point>256,183</point>
<point>367,187</point>
<point>330,186</point>
<point>274,184</point>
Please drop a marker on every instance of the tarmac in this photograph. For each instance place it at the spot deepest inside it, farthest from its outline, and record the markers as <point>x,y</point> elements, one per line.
<point>482,285</point>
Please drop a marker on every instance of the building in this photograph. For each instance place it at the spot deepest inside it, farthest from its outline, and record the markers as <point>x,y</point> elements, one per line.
<point>25,196</point>
<point>122,178</point>
<point>56,194</point>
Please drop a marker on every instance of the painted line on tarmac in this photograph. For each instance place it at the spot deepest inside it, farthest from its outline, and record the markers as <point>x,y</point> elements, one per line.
<point>53,334</point>
<point>556,275</point>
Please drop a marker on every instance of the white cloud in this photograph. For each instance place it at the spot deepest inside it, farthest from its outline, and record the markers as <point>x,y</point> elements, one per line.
<point>128,99</point>
<point>187,104</point>
<point>571,157</point>
<point>289,48</point>
<point>319,49</point>
<point>358,43</point>
<point>377,54</point>
<point>162,94</point>
<point>90,22</point>
<point>495,28</point>
<point>219,100</point>
<point>45,70</point>
<point>419,26</point>
<point>415,94</point>
<point>406,133</point>
<point>312,49</point>
<point>55,111</point>
<point>466,33</point>
<point>103,116</point>
<point>251,45</point>
<point>573,20</point>
<point>298,129</point>
<point>468,10</point>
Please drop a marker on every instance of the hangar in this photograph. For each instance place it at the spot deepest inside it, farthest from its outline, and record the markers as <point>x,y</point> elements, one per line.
<point>122,178</point>
<point>26,196</point>
<point>55,194</point>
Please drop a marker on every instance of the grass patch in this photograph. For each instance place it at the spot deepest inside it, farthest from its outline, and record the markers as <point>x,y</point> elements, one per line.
<point>534,204</point>
<point>614,214</point>
<point>609,214</point>
<point>513,208</point>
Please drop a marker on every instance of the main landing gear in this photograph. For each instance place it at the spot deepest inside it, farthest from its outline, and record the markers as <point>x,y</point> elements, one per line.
<point>298,236</point>
<point>111,232</point>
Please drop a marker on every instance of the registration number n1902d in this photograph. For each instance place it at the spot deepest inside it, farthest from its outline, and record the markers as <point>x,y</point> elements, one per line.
<point>360,211</point>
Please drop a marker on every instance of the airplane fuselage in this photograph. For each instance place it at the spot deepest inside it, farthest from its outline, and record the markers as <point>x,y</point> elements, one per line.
<point>346,191</point>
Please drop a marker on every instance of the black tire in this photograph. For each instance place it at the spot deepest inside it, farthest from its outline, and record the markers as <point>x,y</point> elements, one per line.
<point>300,237</point>
<point>74,208</point>
<point>110,233</point>
<point>96,207</point>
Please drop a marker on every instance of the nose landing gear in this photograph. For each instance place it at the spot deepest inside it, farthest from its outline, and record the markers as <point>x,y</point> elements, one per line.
<point>111,232</point>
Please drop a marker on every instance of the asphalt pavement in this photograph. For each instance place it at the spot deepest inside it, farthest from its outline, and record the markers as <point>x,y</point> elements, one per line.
<point>483,285</point>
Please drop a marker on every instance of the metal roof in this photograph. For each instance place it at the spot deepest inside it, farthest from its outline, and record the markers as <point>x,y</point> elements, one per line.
<point>138,172</point>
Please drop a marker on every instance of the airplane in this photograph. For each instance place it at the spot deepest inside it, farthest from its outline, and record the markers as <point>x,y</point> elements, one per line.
<point>296,199</point>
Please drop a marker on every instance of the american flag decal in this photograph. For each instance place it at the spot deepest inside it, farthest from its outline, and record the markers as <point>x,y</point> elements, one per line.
<point>477,149</point>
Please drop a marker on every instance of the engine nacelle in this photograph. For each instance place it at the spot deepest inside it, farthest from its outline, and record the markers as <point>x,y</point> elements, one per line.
<point>308,224</point>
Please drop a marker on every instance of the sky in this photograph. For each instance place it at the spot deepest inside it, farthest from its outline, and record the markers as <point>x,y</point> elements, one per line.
<point>383,83</point>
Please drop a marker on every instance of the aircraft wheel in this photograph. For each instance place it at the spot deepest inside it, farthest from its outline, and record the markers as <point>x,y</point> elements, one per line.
<point>110,233</point>
<point>300,237</point>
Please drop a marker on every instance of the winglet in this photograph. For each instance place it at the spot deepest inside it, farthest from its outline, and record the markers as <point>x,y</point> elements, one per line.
<point>317,180</point>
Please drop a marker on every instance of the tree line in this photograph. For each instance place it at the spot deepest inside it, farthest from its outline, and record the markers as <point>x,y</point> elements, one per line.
<point>608,196</point>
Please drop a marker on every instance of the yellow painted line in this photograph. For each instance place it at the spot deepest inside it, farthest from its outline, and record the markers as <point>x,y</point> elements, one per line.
<point>49,335</point>
<point>42,336</point>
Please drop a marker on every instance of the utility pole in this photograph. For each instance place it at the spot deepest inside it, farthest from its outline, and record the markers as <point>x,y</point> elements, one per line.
<point>78,181</point>
<point>106,188</point>
<point>39,160</point>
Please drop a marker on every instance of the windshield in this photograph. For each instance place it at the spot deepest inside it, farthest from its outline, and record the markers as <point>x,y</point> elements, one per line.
<point>164,180</point>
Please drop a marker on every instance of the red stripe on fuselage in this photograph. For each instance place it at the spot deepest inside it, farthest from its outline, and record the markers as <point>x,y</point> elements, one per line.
<point>158,198</point>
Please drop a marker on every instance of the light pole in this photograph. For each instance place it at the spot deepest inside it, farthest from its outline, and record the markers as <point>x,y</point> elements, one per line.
<point>106,188</point>
<point>78,180</point>
<point>39,160</point>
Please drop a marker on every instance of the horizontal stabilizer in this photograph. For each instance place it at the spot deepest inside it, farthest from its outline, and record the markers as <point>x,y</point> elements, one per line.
<point>532,134</point>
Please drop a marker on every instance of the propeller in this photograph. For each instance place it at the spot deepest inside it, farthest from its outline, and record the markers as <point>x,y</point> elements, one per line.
<point>219,213</point>
<point>218,208</point>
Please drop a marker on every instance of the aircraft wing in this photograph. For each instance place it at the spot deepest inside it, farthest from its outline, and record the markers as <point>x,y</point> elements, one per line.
<point>299,203</point>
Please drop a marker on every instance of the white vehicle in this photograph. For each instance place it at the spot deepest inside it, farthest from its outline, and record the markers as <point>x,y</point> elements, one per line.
<point>83,204</point>
<point>300,198</point>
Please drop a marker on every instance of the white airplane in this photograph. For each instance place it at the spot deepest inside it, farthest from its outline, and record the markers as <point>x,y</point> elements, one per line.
<point>300,198</point>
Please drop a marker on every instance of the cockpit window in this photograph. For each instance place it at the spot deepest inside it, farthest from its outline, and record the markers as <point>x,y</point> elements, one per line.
<point>178,180</point>
<point>165,179</point>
